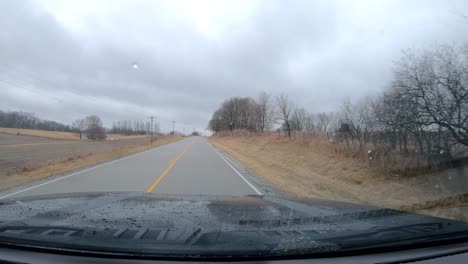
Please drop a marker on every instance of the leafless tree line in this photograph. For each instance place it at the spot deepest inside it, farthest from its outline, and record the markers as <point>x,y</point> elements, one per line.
<point>424,110</point>
<point>133,127</point>
<point>268,113</point>
<point>29,121</point>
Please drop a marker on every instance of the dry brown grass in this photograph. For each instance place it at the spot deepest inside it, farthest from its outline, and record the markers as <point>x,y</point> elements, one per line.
<point>61,135</point>
<point>120,136</point>
<point>318,169</point>
<point>41,171</point>
<point>292,166</point>
<point>40,133</point>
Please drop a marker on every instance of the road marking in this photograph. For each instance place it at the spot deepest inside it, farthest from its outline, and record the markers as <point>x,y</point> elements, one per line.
<point>171,164</point>
<point>236,171</point>
<point>73,174</point>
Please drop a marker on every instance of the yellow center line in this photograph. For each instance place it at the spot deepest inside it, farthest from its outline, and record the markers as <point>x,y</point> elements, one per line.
<point>171,164</point>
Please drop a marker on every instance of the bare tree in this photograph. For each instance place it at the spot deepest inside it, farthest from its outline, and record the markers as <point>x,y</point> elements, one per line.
<point>94,128</point>
<point>355,120</point>
<point>298,119</point>
<point>236,113</point>
<point>79,126</point>
<point>437,83</point>
<point>311,124</point>
<point>324,120</point>
<point>284,107</point>
<point>265,111</point>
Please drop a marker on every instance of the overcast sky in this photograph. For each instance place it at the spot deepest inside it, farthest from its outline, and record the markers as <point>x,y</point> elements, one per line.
<point>64,60</point>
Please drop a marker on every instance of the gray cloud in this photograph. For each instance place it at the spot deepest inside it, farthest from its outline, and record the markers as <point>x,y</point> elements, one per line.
<point>317,51</point>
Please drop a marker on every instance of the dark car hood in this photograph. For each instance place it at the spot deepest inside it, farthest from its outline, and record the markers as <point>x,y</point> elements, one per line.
<point>147,224</point>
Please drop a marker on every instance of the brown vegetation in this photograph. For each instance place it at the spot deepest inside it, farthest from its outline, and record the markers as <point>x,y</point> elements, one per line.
<point>40,133</point>
<point>317,168</point>
<point>60,134</point>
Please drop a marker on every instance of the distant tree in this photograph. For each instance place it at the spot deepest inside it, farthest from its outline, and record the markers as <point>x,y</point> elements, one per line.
<point>29,121</point>
<point>284,115</point>
<point>79,126</point>
<point>265,111</point>
<point>299,119</point>
<point>235,113</point>
<point>94,128</point>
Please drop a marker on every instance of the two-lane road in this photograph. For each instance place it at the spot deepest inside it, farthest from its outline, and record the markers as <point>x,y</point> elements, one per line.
<point>188,166</point>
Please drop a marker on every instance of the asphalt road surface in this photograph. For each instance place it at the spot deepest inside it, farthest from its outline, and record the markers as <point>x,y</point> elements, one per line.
<point>188,166</point>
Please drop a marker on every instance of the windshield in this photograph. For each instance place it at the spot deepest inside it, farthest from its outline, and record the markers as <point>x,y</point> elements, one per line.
<point>294,127</point>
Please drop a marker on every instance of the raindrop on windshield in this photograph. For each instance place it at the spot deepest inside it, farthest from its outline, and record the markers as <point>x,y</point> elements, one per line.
<point>135,66</point>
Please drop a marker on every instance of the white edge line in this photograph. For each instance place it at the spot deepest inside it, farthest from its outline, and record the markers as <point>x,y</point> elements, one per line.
<point>73,174</point>
<point>234,169</point>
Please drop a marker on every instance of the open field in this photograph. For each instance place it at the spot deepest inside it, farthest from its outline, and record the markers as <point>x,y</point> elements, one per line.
<point>40,133</point>
<point>315,169</point>
<point>60,135</point>
<point>25,158</point>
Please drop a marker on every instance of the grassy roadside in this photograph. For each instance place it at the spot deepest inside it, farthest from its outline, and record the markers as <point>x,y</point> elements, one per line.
<point>41,171</point>
<point>314,170</point>
<point>59,134</point>
<point>294,168</point>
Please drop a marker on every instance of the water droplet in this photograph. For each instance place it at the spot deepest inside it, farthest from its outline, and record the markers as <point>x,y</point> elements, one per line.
<point>135,66</point>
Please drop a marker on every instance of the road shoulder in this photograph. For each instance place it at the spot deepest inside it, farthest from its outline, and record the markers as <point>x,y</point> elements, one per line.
<point>265,187</point>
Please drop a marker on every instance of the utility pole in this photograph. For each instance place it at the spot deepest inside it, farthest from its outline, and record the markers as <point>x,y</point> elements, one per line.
<point>183,130</point>
<point>152,117</point>
<point>173,125</point>
<point>158,132</point>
